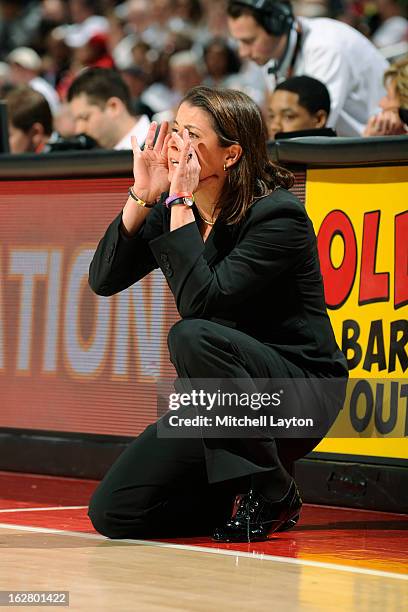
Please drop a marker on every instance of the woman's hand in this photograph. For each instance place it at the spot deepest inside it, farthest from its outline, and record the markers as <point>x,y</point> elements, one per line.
<point>150,167</point>
<point>187,173</point>
<point>386,123</point>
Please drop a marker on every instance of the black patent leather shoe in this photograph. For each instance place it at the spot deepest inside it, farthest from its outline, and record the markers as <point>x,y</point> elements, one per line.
<point>254,517</point>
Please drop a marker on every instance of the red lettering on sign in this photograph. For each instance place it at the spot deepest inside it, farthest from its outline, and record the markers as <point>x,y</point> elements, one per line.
<point>401,260</point>
<point>338,282</point>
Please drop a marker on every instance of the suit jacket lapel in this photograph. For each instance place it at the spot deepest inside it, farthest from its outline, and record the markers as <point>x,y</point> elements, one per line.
<point>220,240</point>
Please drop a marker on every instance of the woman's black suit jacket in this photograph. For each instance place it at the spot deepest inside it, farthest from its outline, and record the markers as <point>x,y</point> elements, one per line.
<point>261,277</point>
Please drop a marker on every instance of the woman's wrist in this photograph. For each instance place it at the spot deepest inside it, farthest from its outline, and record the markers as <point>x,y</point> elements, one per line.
<point>180,215</point>
<point>145,196</point>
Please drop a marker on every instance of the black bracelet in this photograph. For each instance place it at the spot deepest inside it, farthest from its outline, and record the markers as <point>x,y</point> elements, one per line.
<point>138,200</point>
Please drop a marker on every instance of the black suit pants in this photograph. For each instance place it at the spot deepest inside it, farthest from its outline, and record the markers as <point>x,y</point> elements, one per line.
<point>162,487</point>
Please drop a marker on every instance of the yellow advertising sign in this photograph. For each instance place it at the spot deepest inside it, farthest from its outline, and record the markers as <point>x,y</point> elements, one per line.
<point>361,221</point>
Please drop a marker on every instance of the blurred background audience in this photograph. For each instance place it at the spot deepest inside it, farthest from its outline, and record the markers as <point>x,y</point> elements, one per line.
<point>161,48</point>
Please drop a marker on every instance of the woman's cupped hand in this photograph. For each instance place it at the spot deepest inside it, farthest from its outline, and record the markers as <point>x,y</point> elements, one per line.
<point>150,165</point>
<point>186,175</point>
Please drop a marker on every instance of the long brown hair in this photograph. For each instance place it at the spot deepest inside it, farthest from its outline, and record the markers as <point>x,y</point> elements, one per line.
<point>236,119</point>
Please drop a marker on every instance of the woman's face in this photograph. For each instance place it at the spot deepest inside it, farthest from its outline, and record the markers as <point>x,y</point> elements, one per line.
<point>204,141</point>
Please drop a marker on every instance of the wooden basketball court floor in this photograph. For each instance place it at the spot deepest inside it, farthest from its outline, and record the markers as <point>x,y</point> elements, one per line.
<point>335,559</point>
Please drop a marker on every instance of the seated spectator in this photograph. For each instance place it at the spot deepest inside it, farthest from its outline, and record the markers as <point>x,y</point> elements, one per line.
<point>141,54</point>
<point>315,8</point>
<point>100,104</point>
<point>57,57</point>
<point>137,81</point>
<point>25,68</point>
<point>94,52</point>
<point>222,63</point>
<point>392,120</point>
<point>86,22</point>
<point>19,21</point>
<point>29,120</point>
<point>180,41</point>
<point>393,25</point>
<point>299,106</point>
<point>52,14</point>
<point>189,16</point>
<point>216,18</point>
<point>159,95</point>
<point>225,70</point>
<point>161,17</point>
<point>129,24</point>
<point>189,12</point>
<point>186,72</point>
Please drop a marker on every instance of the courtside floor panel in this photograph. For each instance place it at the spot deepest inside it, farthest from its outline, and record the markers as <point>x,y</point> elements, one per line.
<point>341,536</point>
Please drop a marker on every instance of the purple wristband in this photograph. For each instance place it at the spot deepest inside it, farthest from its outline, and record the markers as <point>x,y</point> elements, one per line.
<point>178,196</point>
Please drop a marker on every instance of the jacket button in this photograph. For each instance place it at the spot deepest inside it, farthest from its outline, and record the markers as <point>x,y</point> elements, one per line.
<point>164,257</point>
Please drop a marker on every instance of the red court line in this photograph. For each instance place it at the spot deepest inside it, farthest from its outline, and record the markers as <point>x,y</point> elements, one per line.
<point>375,540</point>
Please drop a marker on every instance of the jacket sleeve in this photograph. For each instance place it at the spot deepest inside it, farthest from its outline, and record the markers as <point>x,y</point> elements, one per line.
<point>271,245</point>
<point>120,261</point>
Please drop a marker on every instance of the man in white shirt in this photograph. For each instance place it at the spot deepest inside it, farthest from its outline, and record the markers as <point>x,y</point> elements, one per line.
<point>100,104</point>
<point>328,50</point>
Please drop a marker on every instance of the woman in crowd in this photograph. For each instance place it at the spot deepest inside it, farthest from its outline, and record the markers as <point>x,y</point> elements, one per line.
<point>393,118</point>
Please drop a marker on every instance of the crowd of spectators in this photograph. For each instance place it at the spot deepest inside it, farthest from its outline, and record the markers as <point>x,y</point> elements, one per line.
<point>160,48</point>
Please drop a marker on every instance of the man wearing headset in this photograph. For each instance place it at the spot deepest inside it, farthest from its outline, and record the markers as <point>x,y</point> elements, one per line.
<point>343,59</point>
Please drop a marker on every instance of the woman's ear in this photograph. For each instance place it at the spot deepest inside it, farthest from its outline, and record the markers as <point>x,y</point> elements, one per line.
<point>233,155</point>
<point>321,118</point>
